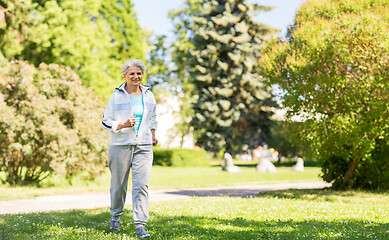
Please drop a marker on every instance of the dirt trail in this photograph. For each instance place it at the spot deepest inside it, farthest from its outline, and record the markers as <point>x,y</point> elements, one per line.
<point>96,200</point>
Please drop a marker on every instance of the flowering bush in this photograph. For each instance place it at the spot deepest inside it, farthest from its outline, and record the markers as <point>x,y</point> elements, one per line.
<point>49,123</point>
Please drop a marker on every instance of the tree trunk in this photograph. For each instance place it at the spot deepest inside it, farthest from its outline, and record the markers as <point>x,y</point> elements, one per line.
<point>350,172</point>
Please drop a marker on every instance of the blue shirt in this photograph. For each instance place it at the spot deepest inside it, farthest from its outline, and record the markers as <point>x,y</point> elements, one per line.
<point>137,109</point>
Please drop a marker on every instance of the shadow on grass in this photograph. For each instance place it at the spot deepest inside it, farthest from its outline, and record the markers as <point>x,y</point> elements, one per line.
<point>250,164</point>
<point>285,163</point>
<point>264,190</point>
<point>322,194</point>
<point>301,194</point>
<point>247,165</point>
<point>94,224</point>
<point>226,192</point>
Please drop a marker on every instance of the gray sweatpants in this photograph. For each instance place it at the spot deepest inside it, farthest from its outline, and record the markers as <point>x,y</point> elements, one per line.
<point>120,160</point>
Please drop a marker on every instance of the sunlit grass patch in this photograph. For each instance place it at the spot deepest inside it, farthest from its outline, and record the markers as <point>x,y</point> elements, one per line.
<point>277,215</point>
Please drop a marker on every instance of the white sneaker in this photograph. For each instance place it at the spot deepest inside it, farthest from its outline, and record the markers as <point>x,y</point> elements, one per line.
<point>115,225</point>
<point>141,232</point>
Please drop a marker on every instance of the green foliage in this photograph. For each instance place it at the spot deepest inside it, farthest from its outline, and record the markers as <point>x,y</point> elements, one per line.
<point>334,69</point>
<point>163,157</point>
<point>177,157</point>
<point>217,51</point>
<point>372,172</point>
<point>282,140</point>
<point>92,37</point>
<point>48,123</point>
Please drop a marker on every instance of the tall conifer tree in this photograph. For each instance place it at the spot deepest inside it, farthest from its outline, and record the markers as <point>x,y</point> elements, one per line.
<point>231,100</point>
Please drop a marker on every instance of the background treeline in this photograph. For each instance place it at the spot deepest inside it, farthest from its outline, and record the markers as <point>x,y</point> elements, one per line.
<point>332,69</point>
<point>93,38</point>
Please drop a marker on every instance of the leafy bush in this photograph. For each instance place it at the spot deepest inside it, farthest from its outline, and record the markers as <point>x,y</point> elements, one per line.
<point>49,123</point>
<point>177,157</point>
<point>372,173</point>
<point>163,157</point>
<point>334,69</point>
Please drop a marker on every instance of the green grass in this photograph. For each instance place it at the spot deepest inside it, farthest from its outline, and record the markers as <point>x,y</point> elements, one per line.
<point>291,214</point>
<point>165,178</point>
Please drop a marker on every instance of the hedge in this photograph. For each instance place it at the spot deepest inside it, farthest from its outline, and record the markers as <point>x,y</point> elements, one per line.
<point>176,157</point>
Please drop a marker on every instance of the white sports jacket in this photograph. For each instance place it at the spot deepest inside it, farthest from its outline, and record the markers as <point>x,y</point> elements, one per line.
<point>118,109</point>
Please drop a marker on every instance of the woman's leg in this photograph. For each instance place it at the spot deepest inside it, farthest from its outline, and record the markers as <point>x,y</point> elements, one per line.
<point>141,167</point>
<point>119,162</point>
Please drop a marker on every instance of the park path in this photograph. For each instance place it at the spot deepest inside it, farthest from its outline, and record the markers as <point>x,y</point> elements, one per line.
<point>97,200</point>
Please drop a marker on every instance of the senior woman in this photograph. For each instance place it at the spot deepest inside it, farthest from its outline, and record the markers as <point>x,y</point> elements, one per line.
<point>131,119</point>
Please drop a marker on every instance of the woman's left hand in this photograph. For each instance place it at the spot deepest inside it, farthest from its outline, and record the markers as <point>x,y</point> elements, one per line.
<point>155,141</point>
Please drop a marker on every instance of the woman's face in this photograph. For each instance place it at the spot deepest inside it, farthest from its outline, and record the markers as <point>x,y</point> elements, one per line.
<point>134,76</point>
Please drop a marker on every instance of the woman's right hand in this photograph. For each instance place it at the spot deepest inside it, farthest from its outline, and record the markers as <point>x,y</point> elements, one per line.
<point>129,123</point>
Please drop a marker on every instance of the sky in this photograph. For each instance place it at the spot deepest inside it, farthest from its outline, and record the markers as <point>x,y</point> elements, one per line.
<point>153,14</point>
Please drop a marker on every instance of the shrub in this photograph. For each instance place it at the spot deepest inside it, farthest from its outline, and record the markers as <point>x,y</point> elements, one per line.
<point>163,157</point>
<point>372,173</point>
<point>177,157</point>
<point>49,123</point>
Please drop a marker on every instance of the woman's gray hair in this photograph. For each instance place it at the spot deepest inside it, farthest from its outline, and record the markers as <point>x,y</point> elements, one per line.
<point>133,63</point>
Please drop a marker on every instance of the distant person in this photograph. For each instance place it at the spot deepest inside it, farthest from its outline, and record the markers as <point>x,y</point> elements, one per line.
<point>131,118</point>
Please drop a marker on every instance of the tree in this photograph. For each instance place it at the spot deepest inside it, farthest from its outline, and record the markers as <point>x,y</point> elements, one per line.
<point>180,53</point>
<point>334,70</point>
<point>49,123</point>
<point>128,40</point>
<point>219,44</point>
<point>92,37</point>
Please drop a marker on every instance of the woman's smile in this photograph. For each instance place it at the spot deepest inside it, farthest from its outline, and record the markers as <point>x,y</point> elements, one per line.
<point>134,75</point>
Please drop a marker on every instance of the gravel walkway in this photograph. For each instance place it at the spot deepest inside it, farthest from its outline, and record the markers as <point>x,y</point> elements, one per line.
<point>97,200</point>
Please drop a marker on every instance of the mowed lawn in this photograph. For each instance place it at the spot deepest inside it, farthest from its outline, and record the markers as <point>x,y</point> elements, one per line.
<point>165,178</point>
<point>287,214</point>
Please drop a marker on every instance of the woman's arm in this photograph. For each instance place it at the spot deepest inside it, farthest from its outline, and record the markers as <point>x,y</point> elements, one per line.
<point>108,121</point>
